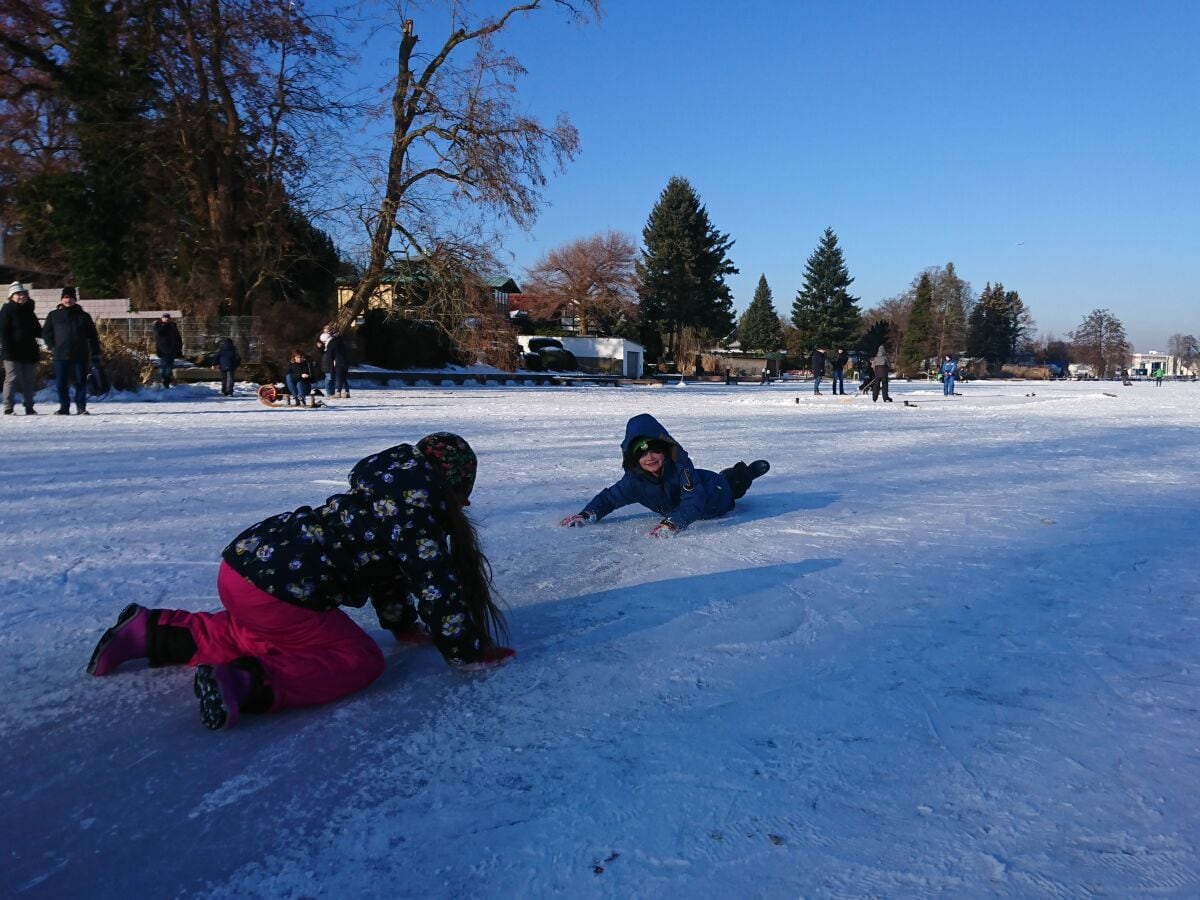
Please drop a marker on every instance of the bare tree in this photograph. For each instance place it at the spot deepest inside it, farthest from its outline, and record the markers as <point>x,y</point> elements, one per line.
<point>594,277</point>
<point>241,80</point>
<point>1183,346</point>
<point>1100,341</point>
<point>460,149</point>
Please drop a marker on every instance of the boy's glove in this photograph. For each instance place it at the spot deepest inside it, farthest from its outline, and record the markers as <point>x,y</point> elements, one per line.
<point>663,529</point>
<point>578,520</point>
<point>415,636</point>
<point>491,659</point>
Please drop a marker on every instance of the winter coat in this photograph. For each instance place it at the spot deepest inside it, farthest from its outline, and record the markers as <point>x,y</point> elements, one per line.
<point>881,358</point>
<point>19,331</point>
<point>682,495</point>
<point>839,361</point>
<point>382,541</point>
<point>227,356</point>
<point>817,363</point>
<point>70,334</point>
<point>949,368</point>
<point>297,370</point>
<point>334,356</point>
<point>168,343</point>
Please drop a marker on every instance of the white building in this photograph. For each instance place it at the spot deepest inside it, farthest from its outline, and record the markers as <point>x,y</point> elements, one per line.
<point>1153,362</point>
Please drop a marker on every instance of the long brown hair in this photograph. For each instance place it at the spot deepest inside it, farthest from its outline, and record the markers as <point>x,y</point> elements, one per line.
<point>474,572</point>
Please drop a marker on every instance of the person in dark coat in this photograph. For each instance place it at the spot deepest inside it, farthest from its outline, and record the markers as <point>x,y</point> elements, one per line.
<point>228,361</point>
<point>399,539</point>
<point>660,476</point>
<point>334,363</point>
<point>168,344</point>
<point>300,378</point>
<point>880,364</point>
<point>19,333</point>
<point>70,335</point>
<point>839,371</point>
<point>817,363</point>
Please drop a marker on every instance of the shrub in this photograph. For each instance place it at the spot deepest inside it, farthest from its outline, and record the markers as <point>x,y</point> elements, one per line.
<point>282,327</point>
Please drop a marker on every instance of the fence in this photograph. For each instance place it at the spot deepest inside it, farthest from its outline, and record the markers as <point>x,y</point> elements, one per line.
<point>199,337</point>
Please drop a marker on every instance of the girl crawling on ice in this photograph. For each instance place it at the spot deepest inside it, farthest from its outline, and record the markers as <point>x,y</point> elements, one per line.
<point>398,538</point>
<point>660,476</point>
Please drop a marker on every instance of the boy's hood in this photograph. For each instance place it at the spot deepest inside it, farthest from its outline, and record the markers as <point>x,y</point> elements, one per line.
<point>645,426</point>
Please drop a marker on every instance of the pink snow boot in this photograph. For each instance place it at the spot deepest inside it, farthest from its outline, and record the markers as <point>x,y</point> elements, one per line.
<point>221,690</point>
<point>124,641</point>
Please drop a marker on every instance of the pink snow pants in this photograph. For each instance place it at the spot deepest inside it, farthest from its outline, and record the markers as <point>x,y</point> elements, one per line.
<point>307,657</point>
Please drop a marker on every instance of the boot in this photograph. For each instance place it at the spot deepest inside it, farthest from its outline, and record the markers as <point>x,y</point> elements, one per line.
<point>738,476</point>
<point>304,401</point>
<point>221,690</point>
<point>126,640</point>
<point>758,468</point>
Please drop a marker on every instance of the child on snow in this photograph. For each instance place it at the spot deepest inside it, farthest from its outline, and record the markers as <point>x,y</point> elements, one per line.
<point>398,538</point>
<point>660,476</point>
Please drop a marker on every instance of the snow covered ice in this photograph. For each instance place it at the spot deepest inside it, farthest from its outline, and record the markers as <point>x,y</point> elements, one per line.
<point>949,650</point>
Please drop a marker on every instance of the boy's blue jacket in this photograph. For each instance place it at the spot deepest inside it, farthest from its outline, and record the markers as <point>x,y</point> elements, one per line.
<point>683,495</point>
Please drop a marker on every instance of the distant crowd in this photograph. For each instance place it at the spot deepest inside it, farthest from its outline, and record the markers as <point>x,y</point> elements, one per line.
<point>70,336</point>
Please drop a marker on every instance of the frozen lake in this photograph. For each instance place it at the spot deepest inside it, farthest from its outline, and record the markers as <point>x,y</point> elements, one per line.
<point>948,649</point>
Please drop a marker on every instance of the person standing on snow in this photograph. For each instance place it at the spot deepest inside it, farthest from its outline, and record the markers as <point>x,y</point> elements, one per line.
<point>168,344</point>
<point>660,476</point>
<point>71,337</point>
<point>228,361</point>
<point>399,538</point>
<point>19,331</point>
<point>949,371</point>
<point>816,362</point>
<point>880,364</point>
<point>839,371</point>
<point>334,362</point>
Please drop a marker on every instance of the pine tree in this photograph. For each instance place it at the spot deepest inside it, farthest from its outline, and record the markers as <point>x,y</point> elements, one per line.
<point>824,311</point>
<point>998,325</point>
<point>682,271</point>
<point>915,346</point>
<point>951,300</point>
<point>759,328</point>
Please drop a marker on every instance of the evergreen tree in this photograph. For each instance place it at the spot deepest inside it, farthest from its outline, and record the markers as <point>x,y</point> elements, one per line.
<point>759,328</point>
<point>998,326</point>
<point>682,271</point>
<point>951,301</point>
<point>879,334</point>
<point>824,311</point>
<point>916,345</point>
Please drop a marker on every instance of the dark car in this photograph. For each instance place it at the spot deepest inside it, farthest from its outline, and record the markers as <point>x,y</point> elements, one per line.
<point>546,354</point>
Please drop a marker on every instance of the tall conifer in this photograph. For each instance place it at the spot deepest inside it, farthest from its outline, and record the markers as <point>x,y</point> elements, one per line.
<point>682,271</point>
<point>824,311</point>
<point>759,328</point>
<point>918,337</point>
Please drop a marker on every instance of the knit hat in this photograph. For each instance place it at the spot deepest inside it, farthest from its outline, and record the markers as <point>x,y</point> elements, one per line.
<point>453,457</point>
<point>69,292</point>
<point>17,288</point>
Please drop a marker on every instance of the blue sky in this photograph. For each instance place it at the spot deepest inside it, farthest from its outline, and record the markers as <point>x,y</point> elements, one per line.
<point>1054,147</point>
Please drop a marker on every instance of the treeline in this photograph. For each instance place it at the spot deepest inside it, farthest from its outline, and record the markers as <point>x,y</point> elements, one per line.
<point>685,305</point>
<point>161,149</point>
